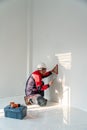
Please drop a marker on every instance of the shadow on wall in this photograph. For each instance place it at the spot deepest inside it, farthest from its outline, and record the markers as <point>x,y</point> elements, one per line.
<point>60,91</point>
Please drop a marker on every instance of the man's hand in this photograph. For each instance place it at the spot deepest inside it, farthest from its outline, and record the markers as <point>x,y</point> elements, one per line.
<point>51,82</point>
<point>55,69</point>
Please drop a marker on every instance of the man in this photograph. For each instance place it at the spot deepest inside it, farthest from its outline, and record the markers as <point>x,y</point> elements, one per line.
<point>35,87</point>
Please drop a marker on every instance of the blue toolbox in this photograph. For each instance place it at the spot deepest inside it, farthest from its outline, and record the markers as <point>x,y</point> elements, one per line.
<point>17,113</point>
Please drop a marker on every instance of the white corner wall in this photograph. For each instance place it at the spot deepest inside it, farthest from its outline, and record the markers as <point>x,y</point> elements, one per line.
<point>59,28</point>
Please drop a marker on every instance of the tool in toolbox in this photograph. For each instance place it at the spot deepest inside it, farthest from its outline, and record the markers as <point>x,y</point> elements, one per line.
<point>14,105</point>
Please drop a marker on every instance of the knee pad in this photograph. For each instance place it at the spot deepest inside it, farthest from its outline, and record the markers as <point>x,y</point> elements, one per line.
<point>41,101</point>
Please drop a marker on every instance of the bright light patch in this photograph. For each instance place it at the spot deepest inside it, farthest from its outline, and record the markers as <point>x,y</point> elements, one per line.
<point>56,91</point>
<point>1,113</point>
<point>66,96</point>
<point>64,59</point>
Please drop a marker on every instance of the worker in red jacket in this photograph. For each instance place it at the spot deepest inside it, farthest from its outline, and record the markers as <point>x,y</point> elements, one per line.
<point>35,87</point>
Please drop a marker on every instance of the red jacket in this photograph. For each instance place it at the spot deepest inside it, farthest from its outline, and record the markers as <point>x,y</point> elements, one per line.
<point>34,84</point>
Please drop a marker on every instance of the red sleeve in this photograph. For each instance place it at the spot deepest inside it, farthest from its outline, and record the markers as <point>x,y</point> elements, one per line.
<point>47,74</point>
<point>44,87</point>
<point>38,82</point>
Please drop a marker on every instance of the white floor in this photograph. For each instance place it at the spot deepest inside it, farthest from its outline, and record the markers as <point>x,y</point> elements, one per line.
<point>51,117</point>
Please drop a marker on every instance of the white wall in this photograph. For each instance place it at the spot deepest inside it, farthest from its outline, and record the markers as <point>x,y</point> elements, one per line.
<point>59,27</point>
<point>32,31</point>
<point>13,47</point>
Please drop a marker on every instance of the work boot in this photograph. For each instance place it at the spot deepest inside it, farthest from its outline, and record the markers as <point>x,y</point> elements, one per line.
<point>30,101</point>
<point>27,102</point>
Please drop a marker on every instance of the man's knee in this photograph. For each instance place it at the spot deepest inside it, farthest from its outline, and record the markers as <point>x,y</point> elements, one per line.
<point>41,101</point>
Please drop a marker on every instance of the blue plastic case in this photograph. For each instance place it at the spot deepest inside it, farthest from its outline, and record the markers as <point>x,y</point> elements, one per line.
<point>17,113</point>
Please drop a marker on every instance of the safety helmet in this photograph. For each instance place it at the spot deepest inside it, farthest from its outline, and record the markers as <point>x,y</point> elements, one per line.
<point>41,66</point>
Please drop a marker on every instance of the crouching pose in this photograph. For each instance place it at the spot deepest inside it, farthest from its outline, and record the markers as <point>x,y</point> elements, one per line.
<point>35,87</point>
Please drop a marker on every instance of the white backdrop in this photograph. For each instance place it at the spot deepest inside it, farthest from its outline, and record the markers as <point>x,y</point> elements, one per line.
<point>52,31</point>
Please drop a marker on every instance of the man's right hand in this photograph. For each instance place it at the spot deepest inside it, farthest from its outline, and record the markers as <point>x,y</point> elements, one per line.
<point>51,82</point>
